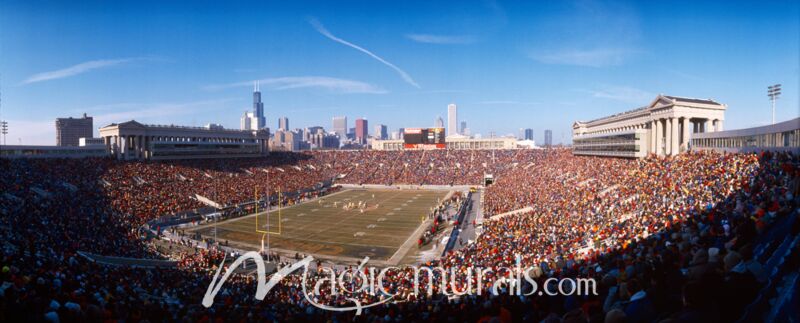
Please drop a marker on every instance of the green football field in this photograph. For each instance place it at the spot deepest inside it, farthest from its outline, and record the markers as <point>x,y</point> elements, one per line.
<point>346,225</point>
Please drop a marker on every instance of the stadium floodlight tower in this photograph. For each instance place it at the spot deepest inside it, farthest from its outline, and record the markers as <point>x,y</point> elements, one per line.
<point>773,92</point>
<point>4,130</point>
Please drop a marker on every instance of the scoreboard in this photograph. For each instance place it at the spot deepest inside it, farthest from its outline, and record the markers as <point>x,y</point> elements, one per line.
<point>423,138</point>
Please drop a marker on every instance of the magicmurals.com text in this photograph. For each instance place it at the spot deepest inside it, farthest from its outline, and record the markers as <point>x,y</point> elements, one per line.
<point>357,281</point>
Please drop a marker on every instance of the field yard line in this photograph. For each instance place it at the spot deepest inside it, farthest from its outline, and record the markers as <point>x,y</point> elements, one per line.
<point>244,229</point>
<point>356,214</point>
<point>263,212</point>
<point>406,246</point>
<point>324,243</point>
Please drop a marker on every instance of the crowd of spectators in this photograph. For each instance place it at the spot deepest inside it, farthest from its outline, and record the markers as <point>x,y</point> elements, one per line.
<point>666,238</point>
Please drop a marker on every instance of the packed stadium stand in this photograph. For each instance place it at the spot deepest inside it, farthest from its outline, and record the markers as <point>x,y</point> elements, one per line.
<point>698,237</point>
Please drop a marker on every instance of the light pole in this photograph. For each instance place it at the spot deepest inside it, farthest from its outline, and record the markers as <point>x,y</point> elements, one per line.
<point>773,92</point>
<point>4,130</point>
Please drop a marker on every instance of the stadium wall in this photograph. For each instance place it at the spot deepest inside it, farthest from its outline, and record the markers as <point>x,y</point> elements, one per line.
<point>784,136</point>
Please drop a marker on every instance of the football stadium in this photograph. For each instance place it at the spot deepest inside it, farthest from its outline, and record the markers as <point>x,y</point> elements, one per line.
<point>182,193</point>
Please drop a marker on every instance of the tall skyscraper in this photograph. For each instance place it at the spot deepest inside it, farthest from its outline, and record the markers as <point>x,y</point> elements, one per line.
<point>463,126</point>
<point>361,130</point>
<point>254,120</point>
<point>438,123</point>
<point>258,109</point>
<point>401,132</point>
<point>70,130</point>
<point>548,138</point>
<point>452,119</point>
<point>528,134</point>
<point>340,127</point>
<point>283,123</point>
<point>381,132</point>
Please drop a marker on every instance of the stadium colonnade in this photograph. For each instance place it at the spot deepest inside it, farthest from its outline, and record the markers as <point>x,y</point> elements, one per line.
<point>670,125</point>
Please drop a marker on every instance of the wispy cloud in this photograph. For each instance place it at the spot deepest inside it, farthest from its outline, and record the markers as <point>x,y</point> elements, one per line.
<point>77,69</point>
<point>684,75</point>
<point>591,34</point>
<point>598,57</point>
<point>623,94</point>
<point>505,102</point>
<point>153,112</point>
<point>439,92</point>
<point>441,39</point>
<point>321,29</point>
<point>298,82</point>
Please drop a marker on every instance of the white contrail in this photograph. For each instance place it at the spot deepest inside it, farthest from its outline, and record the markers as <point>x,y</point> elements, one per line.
<point>441,39</point>
<point>298,82</point>
<point>321,29</point>
<point>75,70</point>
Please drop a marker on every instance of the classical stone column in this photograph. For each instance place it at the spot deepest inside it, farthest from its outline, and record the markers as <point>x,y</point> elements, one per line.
<point>123,146</point>
<point>687,123</point>
<point>139,146</point>
<point>719,125</point>
<point>668,136</point>
<point>653,137</point>
<point>135,146</point>
<point>659,137</point>
<point>115,144</point>
<point>107,142</point>
<point>675,149</point>
<point>707,125</point>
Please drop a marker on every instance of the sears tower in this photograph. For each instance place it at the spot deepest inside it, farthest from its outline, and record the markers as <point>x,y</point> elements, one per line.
<point>254,120</point>
<point>258,109</point>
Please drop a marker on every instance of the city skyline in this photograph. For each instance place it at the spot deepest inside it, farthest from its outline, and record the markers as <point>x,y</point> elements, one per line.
<point>498,61</point>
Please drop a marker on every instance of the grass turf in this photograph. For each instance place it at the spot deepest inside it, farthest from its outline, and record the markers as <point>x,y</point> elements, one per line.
<point>318,227</point>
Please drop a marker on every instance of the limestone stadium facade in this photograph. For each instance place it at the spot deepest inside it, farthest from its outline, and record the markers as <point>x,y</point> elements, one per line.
<point>664,128</point>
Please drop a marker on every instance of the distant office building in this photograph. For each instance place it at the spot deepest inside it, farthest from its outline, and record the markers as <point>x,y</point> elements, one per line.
<point>438,123</point>
<point>294,140</point>
<point>401,133</point>
<point>529,134</point>
<point>246,121</point>
<point>340,127</point>
<point>362,130</point>
<point>322,140</point>
<point>466,132</point>
<point>463,126</point>
<point>283,123</point>
<point>313,130</point>
<point>452,119</point>
<point>214,126</point>
<point>351,134</point>
<point>381,132</point>
<point>288,140</point>
<point>70,130</point>
<point>548,138</point>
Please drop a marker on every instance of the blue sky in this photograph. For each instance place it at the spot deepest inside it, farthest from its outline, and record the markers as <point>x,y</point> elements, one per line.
<point>507,65</point>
